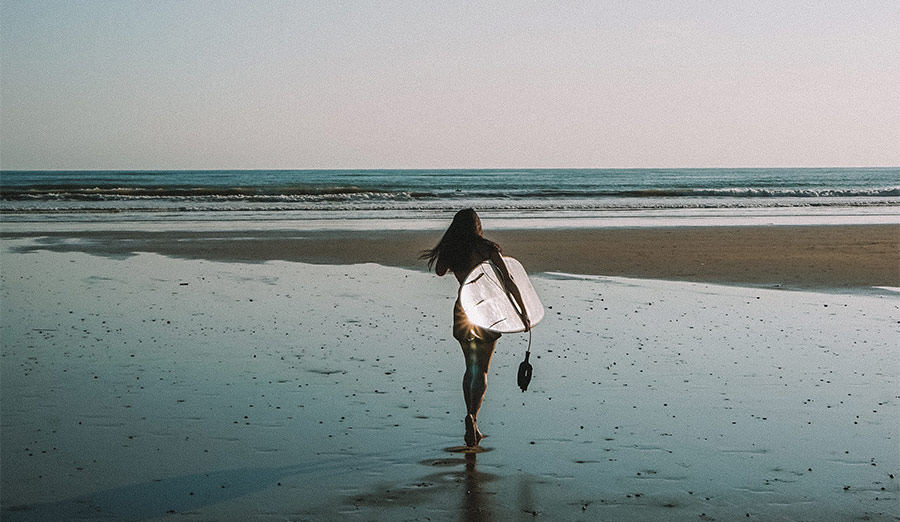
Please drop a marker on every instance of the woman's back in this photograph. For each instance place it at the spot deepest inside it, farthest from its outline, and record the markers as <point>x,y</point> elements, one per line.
<point>478,255</point>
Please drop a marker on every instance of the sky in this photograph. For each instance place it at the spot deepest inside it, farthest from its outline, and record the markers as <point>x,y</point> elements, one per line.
<point>189,84</point>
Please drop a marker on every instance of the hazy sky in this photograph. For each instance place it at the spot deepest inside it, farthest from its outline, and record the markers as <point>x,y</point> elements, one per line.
<point>155,84</point>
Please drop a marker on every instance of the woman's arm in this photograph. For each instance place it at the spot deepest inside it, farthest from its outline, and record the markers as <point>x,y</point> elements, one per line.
<point>441,268</point>
<point>510,285</point>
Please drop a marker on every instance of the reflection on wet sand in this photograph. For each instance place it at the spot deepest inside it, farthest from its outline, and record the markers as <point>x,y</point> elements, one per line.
<point>460,488</point>
<point>161,397</point>
<point>475,507</point>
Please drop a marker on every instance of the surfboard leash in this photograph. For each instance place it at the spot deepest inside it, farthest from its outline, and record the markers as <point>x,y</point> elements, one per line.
<point>525,369</point>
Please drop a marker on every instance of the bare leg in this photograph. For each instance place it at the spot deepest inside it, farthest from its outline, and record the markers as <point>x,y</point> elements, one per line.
<point>474,386</point>
<point>478,346</point>
<point>478,360</point>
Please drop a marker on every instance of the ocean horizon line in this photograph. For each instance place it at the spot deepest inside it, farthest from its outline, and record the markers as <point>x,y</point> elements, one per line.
<point>440,169</point>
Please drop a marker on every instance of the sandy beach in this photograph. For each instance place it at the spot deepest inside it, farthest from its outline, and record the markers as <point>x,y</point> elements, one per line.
<point>288,375</point>
<point>833,256</point>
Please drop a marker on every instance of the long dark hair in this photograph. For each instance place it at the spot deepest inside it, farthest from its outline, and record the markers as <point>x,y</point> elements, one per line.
<point>462,238</point>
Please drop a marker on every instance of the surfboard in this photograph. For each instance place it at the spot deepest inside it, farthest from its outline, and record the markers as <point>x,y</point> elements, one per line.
<point>487,303</point>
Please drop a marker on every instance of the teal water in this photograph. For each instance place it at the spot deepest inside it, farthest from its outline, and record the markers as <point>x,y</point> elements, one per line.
<point>402,193</point>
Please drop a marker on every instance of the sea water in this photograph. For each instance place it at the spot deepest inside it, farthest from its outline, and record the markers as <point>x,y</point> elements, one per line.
<point>404,198</point>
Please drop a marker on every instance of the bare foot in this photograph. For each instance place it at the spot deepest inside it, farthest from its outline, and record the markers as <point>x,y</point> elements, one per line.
<point>472,434</point>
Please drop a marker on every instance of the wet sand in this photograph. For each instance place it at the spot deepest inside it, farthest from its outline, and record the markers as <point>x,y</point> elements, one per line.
<point>830,256</point>
<point>203,386</point>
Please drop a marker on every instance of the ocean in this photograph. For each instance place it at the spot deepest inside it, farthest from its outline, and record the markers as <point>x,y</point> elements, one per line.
<point>513,197</point>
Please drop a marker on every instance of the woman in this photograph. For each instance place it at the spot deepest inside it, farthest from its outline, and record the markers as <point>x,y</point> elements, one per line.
<point>461,250</point>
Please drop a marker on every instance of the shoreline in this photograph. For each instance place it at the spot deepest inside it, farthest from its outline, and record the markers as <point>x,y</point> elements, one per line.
<point>782,256</point>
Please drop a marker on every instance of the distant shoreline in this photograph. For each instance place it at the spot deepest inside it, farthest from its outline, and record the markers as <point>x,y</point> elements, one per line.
<point>819,256</point>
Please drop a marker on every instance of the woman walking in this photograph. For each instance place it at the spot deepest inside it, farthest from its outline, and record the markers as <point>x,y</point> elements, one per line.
<point>461,249</point>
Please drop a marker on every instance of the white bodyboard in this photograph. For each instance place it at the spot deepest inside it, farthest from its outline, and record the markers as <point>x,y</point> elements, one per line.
<point>487,303</point>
